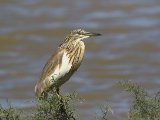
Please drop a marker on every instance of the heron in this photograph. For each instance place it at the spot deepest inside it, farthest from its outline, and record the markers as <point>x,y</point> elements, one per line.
<point>63,63</point>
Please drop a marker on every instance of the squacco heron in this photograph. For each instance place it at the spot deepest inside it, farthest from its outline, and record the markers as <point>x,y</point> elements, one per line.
<point>63,63</point>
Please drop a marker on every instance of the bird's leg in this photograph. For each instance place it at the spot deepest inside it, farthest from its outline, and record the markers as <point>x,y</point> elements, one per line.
<point>62,103</point>
<point>56,92</point>
<point>45,95</point>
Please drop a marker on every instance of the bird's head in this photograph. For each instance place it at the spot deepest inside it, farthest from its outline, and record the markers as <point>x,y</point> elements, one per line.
<point>81,34</point>
<point>77,35</point>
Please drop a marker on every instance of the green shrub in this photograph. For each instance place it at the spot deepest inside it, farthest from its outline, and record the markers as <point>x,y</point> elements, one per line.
<point>9,114</point>
<point>56,108</point>
<point>145,106</point>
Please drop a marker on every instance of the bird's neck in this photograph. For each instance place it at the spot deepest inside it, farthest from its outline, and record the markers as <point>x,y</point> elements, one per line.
<point>70,43</point>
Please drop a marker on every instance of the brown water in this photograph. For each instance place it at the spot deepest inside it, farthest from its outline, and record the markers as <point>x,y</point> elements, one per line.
<point>128,50</point>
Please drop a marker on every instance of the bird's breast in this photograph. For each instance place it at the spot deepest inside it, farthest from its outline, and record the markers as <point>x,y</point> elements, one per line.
<point>76,55</point>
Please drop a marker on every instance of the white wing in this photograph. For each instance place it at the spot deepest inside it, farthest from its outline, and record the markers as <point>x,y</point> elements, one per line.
<point>62,68</point>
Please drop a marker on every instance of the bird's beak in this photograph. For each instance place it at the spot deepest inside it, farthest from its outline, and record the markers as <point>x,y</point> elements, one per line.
<point>91,34</point>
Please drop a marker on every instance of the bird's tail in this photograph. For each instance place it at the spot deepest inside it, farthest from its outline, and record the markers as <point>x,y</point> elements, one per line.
<point>38,89</point>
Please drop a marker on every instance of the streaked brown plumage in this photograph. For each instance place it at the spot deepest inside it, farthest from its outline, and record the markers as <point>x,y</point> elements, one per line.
<point>63,63</point>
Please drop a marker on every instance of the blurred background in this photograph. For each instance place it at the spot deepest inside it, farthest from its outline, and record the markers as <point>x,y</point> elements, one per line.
<point>129,49</point>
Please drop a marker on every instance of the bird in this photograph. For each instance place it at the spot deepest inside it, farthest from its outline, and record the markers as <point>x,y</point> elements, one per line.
<point>63,63</point>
